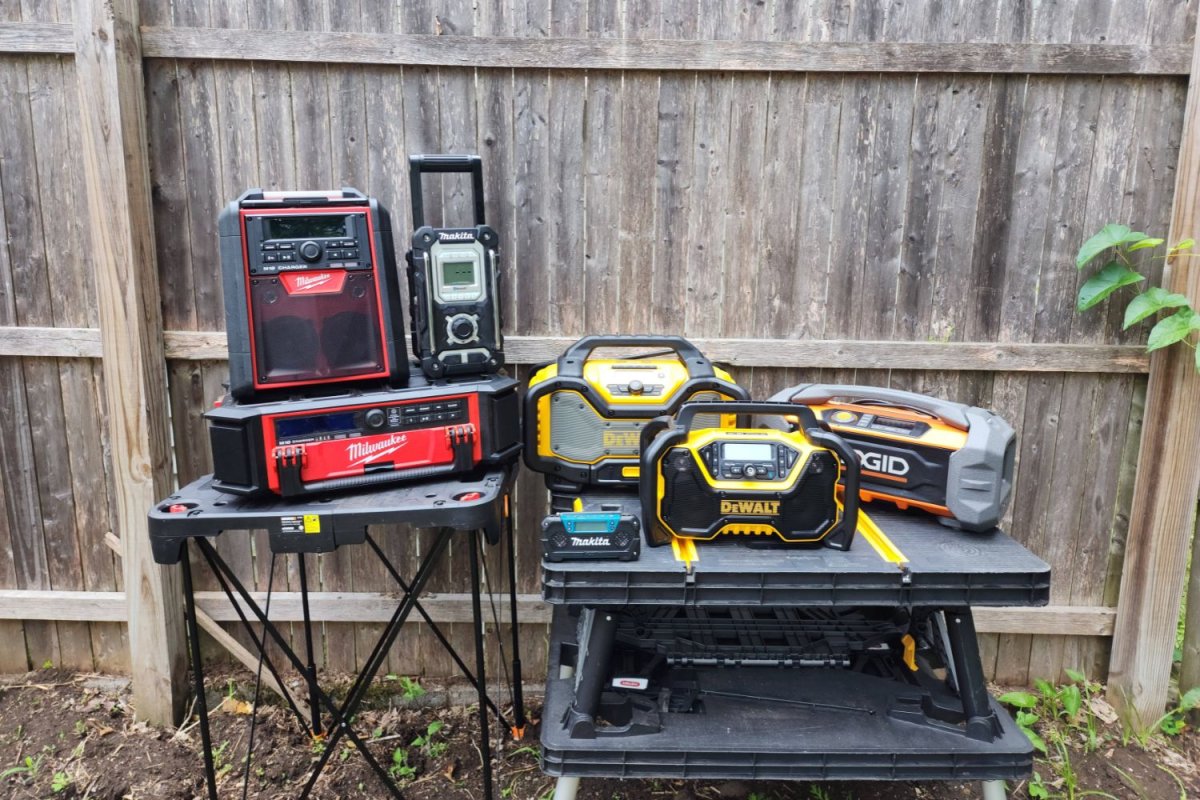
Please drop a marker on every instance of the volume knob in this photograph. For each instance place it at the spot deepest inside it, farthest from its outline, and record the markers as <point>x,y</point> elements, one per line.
<point>751,472</point>
<point>310,251</point>
<point>375,418</point>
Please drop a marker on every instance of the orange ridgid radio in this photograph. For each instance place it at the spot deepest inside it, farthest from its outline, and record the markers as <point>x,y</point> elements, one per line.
<point>950,459</point>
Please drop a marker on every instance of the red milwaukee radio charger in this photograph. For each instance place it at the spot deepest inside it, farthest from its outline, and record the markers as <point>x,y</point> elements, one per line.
<point>360,439</point>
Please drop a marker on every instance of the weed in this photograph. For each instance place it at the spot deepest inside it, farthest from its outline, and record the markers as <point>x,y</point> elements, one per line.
<point>47,664</point>
<point>60,782</point>
<point>818,793</point>
<point>1173,722</point>
<point>218,756</point>
<point>400,767</point>
<point>426,742</point>
<point>29,767</point>
<point>80,728</point>
<point>527,750</point>
<point>410,688</point>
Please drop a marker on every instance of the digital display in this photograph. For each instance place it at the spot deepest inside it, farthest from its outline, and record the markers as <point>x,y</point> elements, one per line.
<point>324,226</point>
<point>312,426</point>
<point>458,273</point>
<point>591,526</point>
<point>748,452</point>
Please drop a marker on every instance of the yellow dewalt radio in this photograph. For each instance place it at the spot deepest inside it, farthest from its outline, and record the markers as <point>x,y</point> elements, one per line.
<point>700,482</point>
<point>583,415</point>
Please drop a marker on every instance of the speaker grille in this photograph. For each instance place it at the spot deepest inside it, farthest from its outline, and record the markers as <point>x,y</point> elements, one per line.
<point>310,337</point>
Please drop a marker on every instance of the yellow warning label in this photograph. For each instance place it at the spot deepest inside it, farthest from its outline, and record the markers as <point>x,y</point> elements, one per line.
<point>312,523</point>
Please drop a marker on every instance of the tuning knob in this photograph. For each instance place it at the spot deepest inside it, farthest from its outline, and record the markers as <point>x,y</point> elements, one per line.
<point>310,251</point>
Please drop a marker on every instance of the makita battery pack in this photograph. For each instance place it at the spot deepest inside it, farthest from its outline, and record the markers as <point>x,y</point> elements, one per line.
<point>360,439</point>
<point>950,459</point>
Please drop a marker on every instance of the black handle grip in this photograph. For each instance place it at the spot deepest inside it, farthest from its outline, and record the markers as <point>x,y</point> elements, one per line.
<point>808,420</point>
<point>850,474</point>
<point>421,164</point>
<point>652,429</point>
<point>571,362</point>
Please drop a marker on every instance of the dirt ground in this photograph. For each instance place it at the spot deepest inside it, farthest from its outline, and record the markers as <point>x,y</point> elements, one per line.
<point>72,736</point>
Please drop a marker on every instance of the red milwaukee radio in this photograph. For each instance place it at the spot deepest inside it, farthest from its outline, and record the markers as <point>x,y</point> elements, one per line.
<point>360,439</point>
<point>310,293</point>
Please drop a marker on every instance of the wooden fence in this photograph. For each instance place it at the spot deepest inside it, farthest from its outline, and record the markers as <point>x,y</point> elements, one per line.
<point>890,193</point>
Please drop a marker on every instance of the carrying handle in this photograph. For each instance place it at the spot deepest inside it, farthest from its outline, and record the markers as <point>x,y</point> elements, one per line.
<point>570,363</point>
<point>807,422</point>
<point>816,393</point>
<point>421,164</point>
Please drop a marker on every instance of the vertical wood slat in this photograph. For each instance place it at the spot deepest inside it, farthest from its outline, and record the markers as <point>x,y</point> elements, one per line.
<point>108,70</point>
<point>1168,478</point>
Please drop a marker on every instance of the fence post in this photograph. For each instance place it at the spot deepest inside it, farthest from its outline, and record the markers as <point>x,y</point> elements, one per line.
<point>1168,476</point>
<point>108,68</point>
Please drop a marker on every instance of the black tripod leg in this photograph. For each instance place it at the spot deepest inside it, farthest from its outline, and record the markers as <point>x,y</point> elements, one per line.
<point>219,566</point>
<point>311,674</point>
<point>518,693</point>
<point>433,628</point>
<point>193,632</point>
<point>485,745</point>
<point>972,687</point>
<point>346,713</point>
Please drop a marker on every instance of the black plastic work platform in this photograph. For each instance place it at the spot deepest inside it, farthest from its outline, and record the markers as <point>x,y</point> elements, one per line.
<point>946,568</point>
<point>828,724</point>
<point>323,523</point>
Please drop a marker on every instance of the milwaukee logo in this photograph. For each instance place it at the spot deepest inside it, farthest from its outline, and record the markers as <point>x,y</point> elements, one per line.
<point>883,463</point>
<point>303,282</point>
<point>621,438</point>
<point>756,507</point>
<point>589,541</point>
<point>314,282</point>
<point>362,452</point>
<point>456,236</point>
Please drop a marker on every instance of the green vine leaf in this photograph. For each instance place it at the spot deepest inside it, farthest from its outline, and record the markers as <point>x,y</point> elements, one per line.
<point>1144,244</point>
<point>1172,329</point>
<point>1019,699</point>
<point>1111,235</point>
<point>1105,282</point>
<point>1151,302</point>
<point>1186,244</point>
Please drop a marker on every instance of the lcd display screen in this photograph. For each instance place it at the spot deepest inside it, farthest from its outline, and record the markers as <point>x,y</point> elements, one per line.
<point>748,452</point>
<point>324,226</point>
<point>458,273</point>
<point>591,526</point>
<point>314,426</point>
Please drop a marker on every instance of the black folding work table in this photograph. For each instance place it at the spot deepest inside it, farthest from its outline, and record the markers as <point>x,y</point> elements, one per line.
<point>470,506</point>
<point>823,724</point>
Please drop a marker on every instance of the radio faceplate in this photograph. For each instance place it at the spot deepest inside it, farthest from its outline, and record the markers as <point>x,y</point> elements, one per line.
<point>748,460</point>
<point>279,242</point>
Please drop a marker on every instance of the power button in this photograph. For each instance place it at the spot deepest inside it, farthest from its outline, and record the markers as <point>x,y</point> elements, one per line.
<point>843,417</point>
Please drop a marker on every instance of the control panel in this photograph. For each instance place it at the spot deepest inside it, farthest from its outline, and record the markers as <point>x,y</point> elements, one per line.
<point>341,424</point>
<point>876,423</point>
<point>748,460</point>
<point>278,242</point>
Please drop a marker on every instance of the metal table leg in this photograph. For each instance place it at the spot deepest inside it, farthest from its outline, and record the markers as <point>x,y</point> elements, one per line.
<point>485,744</point>
<point>193,633</point>
<point>994,790</point>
